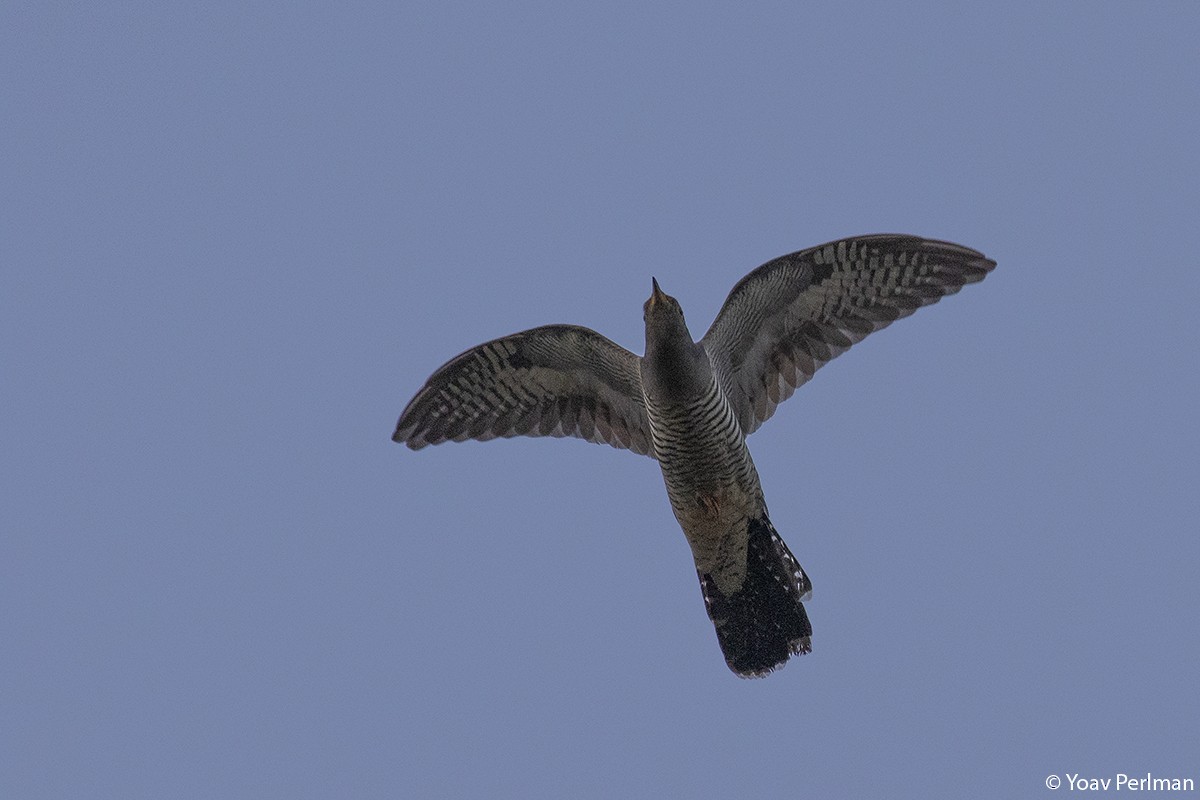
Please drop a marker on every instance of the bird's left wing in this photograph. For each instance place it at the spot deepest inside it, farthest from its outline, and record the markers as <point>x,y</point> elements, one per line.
<point>791,316</point>
<point>557,380</point>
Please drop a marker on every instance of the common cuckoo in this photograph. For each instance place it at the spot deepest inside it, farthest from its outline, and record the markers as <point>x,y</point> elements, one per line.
<point>690,405</point>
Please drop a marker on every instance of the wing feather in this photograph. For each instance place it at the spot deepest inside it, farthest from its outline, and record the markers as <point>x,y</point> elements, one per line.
<point>791,316</point>
<point>557,380</point>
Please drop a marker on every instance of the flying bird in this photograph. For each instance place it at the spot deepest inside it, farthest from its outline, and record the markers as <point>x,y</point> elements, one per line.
<point>691,404</point>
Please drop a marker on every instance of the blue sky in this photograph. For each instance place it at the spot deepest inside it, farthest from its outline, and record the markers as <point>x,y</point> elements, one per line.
<point>236,239</point>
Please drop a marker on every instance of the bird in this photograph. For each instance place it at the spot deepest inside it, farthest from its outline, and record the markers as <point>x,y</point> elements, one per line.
<point>690,404</point>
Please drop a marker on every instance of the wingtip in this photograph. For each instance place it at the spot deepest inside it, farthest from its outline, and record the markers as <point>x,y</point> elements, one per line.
<point>981,267</point>
<point>411,444</point>
<point>973,266</point>
<point>971,256</point>
<point>404,436</point>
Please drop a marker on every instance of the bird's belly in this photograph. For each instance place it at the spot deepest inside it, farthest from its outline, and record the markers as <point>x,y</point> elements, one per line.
<point>710,483</point>
<point>714,491</point>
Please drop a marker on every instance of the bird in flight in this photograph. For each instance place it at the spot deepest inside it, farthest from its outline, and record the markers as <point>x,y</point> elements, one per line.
<point>691,404</point>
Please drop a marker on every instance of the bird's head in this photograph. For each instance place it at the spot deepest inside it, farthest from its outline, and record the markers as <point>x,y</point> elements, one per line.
<point>663,315</point>
<point>674,366</point>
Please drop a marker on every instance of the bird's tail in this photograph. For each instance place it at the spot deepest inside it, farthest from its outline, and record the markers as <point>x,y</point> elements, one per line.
<point>763,623</point>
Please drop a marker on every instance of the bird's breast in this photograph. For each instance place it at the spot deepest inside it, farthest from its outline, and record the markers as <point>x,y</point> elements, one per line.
<point>703,456</point>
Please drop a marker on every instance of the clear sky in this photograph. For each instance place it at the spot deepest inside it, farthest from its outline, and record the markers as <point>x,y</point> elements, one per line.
<point>236,238</point>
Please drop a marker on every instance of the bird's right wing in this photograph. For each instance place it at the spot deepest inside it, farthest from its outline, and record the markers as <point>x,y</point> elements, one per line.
<point>791,316</point>
<point>557,380</point>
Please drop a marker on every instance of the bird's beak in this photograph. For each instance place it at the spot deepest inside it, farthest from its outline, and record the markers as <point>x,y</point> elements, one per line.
<point>657,295</point>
